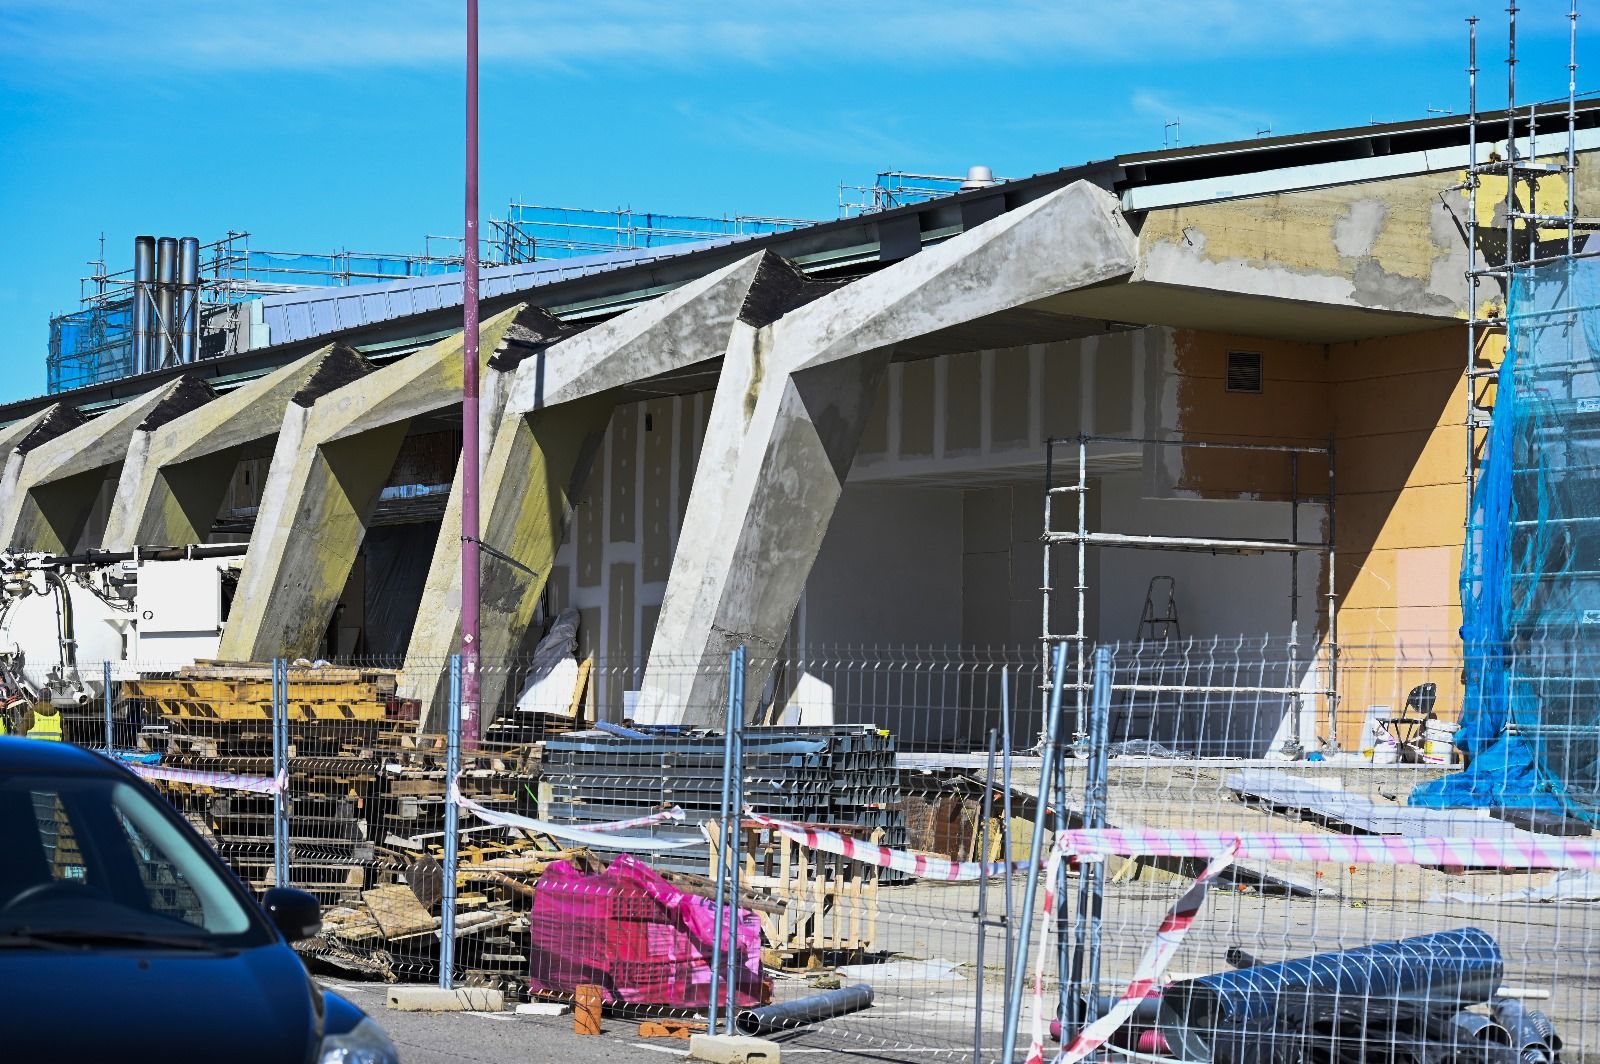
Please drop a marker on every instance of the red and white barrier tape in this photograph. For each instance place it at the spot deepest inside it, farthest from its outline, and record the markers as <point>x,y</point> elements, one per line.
<point>1152,966</point>
<point>600,836</point>
<point>1523,850</point>
<point>222,780</point>
<point>920,865</point>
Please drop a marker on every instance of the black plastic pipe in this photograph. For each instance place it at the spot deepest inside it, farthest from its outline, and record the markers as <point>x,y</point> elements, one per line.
<point>806,1010</point>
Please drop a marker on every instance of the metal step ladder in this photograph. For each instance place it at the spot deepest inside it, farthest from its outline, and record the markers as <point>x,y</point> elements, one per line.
<point>1165,626</point>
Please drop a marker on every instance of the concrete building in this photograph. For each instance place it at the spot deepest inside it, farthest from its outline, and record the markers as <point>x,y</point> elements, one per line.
<point>836,436</point>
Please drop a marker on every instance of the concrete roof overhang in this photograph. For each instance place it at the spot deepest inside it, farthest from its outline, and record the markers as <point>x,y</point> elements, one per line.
<point>870,242</point>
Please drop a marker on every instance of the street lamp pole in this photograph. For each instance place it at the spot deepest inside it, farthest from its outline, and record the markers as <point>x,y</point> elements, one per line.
<point>470,526</point>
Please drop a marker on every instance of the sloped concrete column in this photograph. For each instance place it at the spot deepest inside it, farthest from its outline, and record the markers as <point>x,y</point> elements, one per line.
<point>175,479</point>
<point>788,415</point>
<point>50,490</point>
<point>538,460</point>
<point>328,468</point>
<point>20,437</point>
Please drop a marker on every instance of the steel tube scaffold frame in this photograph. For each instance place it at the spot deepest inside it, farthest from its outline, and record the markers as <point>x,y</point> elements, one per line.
<point>1082,537</point>
<point>1525,167</point>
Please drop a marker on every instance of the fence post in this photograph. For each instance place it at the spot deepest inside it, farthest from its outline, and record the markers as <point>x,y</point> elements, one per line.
<point>729,812</point>
<point>1005,807</point>
<point>108,698</point>
<point>452,827</point>
<point>736,679</point>
<point>983,900</point>
<point>1076,994</point>
<point>280,772</point>
<point>1047,773</point>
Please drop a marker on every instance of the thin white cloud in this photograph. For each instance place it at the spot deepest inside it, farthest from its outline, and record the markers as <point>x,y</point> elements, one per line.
<point>349,34</point>
<point>1200,124</point>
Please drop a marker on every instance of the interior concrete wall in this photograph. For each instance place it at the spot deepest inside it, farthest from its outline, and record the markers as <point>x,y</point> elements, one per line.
<point>1219,596</point>
<point>982,411</point>
<point>889,570</point>
<point>614,563</point>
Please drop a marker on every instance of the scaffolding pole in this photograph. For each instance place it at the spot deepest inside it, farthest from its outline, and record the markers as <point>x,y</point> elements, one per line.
<point>1291,546</point>
<point>1527,220</point>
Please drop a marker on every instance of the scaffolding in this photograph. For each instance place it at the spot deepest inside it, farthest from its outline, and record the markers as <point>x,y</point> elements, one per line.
<point>95,342</point>
<point>1530,586</point>
<point>898,188</point>
<point>1524,225</point>
<point>533,232</point>
<point>1081,537</point>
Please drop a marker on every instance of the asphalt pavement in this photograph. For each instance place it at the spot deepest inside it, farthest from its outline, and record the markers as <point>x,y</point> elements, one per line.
<point>492,1038</point>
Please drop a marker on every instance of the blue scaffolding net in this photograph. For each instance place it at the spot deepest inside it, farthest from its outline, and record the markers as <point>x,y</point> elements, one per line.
<point>1530,582</point>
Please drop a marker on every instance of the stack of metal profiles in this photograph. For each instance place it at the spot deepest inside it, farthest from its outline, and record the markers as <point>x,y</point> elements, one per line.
<point>840,775</point>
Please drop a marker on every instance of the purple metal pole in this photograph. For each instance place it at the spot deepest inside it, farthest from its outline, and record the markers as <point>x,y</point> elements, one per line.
<point>469,406</point>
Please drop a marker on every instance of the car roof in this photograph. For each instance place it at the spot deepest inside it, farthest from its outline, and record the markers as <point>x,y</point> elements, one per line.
<point>45,756</point>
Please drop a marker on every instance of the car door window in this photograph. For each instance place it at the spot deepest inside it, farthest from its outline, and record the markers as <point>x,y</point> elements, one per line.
<point>167,891</point>
<point>57,837</point>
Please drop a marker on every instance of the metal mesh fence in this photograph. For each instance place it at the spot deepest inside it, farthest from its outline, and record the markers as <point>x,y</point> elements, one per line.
<point>891,817</point>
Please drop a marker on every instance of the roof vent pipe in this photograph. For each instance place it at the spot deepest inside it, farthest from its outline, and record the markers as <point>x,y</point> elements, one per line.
<point>166,302</point>
<point>978,177</point>
<point>188,323</point>
<point>144,273</point>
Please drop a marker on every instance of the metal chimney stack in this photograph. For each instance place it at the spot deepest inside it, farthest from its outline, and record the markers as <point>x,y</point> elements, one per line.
<point>144,273</point>
<point>166,303</point>
<point>188,323</point>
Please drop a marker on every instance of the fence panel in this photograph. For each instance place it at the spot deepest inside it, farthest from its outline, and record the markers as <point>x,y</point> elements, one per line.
<point>583,854</point>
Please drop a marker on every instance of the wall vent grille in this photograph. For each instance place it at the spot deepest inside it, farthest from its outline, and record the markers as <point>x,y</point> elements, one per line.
<point>1244,372</point>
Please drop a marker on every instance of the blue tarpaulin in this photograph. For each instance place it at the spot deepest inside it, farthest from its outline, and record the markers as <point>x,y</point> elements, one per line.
<point>1530,581</point>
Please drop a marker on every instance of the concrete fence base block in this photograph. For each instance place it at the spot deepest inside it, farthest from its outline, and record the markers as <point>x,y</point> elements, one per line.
<point>433,999</point>
<point>543,1008</point>
<point>732,1049</point>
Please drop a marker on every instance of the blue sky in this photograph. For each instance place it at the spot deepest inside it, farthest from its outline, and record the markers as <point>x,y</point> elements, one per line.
<point>317,125</point>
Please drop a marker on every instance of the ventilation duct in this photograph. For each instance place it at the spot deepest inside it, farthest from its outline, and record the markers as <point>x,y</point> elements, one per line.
<point>187,325</point>
<point>166,302</point>
<point>144,272</point>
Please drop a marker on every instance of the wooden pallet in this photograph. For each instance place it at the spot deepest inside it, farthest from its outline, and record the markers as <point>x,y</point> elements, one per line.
<point>825,903</point>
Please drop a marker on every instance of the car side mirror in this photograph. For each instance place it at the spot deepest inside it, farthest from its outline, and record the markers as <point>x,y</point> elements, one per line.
<point>294,912</point>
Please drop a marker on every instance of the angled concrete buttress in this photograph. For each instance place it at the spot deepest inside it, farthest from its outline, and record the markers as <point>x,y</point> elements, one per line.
<point>789,410</point>
<point>328,468</point>
<point>175,477</point>
<point>50,490</point>
<point>538,459</point>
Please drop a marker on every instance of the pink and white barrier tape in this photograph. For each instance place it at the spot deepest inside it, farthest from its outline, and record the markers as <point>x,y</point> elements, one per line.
<point>1152,966</point>
<point>600,836</point>
<point>227,781</point>
<point>920,865</point>
<point>1524,850</point>
<point>675,813</point>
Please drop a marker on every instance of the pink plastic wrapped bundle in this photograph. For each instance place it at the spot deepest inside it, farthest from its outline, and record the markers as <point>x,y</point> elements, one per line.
<point>634,934</point>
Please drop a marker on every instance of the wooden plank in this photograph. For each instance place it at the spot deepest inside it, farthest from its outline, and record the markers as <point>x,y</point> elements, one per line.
<point>575,708</point>
<point>397,910</point>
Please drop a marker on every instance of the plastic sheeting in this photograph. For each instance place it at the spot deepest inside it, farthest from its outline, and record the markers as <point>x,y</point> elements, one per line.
<point>1530,584</point>
<point>629,931</point>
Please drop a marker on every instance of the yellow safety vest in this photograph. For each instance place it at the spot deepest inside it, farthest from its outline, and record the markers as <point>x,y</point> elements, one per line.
<point>46,727</point>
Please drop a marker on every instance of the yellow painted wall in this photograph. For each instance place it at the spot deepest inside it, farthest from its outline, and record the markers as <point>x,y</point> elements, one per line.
<point>1395,410</point>
<point>1292,407</point>
<point>1399,406</point>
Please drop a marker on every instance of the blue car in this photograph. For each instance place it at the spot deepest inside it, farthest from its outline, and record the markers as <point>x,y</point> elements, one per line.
<point>124,937</point>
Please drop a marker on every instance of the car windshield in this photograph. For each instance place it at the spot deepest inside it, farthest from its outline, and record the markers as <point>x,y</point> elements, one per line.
<point>94,860</point>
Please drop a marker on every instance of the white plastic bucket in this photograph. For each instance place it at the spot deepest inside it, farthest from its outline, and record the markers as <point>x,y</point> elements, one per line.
<point>1386,753</point>
<point>1439,742</point>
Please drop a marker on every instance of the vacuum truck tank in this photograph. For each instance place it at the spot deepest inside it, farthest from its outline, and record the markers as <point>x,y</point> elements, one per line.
<point>63,617</point>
